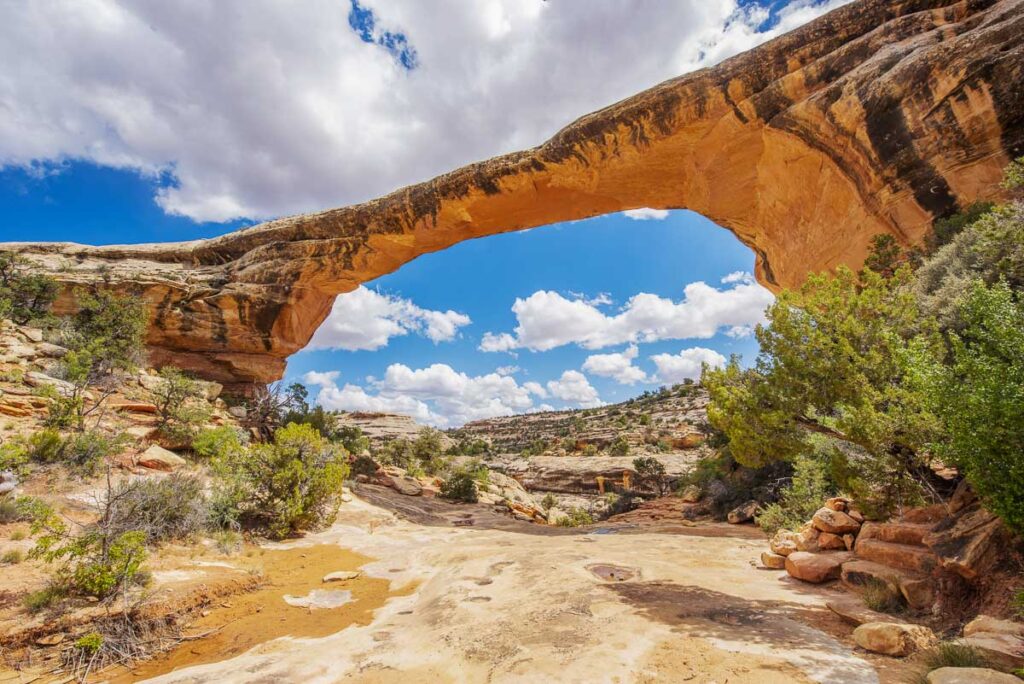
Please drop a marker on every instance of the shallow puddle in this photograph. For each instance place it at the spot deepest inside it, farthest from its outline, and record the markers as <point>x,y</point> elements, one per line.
<point>242,621</point>
<point>612,573</point>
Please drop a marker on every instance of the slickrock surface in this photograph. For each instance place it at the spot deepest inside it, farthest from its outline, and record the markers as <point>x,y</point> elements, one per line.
<point>875,118</point>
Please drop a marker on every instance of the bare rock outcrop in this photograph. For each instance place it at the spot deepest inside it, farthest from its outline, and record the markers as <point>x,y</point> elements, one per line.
<point>875,118</point>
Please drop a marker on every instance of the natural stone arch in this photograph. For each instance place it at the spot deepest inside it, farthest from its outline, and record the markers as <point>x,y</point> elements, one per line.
<point>875,118</point>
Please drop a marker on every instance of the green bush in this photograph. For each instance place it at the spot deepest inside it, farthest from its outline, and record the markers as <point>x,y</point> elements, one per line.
<point>45,446</point>
<point>168,508</point>
<point>12,557</point>
<point>24,296</point>
<point>980,397</point>
<point>460,486</point>
<point>651,474</point>
<point>282,488</point>
<point>217,442</point>
<point>364,465</point>
<point>181,405</point>
<point>576,517</point>
<point>620,446</point>
<point>548,502</point>
<point>41,599</point>
<point>805,494</point>
<point>86,452</point>
<point>14,456</point>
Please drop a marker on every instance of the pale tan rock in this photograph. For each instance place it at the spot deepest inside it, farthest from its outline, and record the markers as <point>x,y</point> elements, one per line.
<point>970,675</point>
<point>893,638</point>
<point>773,561</point>
<point>987,623</point>
<point>784,542</point>
<point>1004,650</point>
<point>158,458</point>
<point>835,522</point>
<point>341,576</point>
<point>743,513</point>
<point>691,494</point>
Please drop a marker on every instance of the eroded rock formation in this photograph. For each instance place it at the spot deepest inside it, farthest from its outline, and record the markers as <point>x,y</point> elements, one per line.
<point>875,118</point>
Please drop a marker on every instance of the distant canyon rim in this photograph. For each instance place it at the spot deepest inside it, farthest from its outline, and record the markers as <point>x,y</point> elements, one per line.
<point>876,118</point>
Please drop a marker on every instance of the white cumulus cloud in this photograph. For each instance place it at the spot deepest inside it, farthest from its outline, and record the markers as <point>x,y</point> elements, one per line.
<point>547,319</point>
<point>442,396</point>
<point>618,366</point>
<point>646,214</point>
<point>367,319</point>
<point>259,108</point>
<point>673,368</point>
<point>574,388</point>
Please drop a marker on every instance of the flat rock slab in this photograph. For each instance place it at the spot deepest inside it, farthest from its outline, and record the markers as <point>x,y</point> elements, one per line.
<point>341,576</point>
<point>158,458</point>
<point>852,610</point>
<point>970,675</point>
<point>1004,650</point>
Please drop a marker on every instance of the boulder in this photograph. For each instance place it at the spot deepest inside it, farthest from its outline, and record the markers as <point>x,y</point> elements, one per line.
<point>158,458</point>
<point>51,351</point>
<point>893,638</point>
<point>150,382</point>
<point>970,675</point>
<point>816,567</point>
<point>403,484</point>
<point>807,539</point>
<point>773,561</point>
<point>834,522</point>
<point>691,494</point>
<point>838,503</point>
<point>37,379</point>
<point>211,390</point>
<point>831,542</point>
<point>32,334</point>
<point>341,576</point>
<point>1002,650</point>
<point>969,543</point>
<point>743,513</point>
<point>991,625</point>
<point>784,542</point>
<point>238,412</point>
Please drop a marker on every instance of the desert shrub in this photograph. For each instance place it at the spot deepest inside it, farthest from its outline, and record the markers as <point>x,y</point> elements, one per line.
<point>45,446</point>
<point>18,535</point>
<point>589,450</point>
<point>1017,604</point>
<point>12,557</point>
<point>181,405</point>
<point>217,442</point>
<point>14,456</point>
<point>576,517</point>
<point>168,508</point>
<point>620,446</point>
<point>227,541</point>
<point>86,452</point>
<point>460,486</point>
<point>363,465</point>
<point>945,229</point>
<point>980,397</point>
<point>548,502</point>
<point>41,599</point>
<point>651,474</point>
<point>99,560</point>
<point>282,487</point>
<point>352,438</point>
<point>805,494</point>
<point>24,296</point>
<point>953,654</point>
<point>883,597</point>
<point>269,404</point>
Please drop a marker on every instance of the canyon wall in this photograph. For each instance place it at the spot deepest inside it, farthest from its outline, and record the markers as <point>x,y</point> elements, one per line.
<point>875,118</point>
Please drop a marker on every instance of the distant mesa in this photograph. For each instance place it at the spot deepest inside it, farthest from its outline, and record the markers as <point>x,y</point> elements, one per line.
<point>875,118</point>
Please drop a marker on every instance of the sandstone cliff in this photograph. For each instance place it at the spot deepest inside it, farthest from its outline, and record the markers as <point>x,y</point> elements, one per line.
<point>875,118</point>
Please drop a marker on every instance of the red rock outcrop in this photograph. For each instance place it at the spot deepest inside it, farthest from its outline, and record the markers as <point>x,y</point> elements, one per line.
<point>875,118</point>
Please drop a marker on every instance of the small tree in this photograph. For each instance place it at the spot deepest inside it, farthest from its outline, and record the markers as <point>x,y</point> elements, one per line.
<point>283,487</point>
<point>651,474</point>
<point>24,296</point>
<point>620,446</point>
<point>180,404</point>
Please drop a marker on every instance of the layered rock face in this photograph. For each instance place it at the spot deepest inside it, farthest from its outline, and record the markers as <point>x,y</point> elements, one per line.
<point>875,118</point>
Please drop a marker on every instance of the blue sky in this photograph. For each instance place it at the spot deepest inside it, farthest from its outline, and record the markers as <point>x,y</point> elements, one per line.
<point>159,121</point>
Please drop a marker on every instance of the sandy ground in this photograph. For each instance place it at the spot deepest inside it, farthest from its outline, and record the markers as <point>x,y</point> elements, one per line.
<point>489,605</point>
